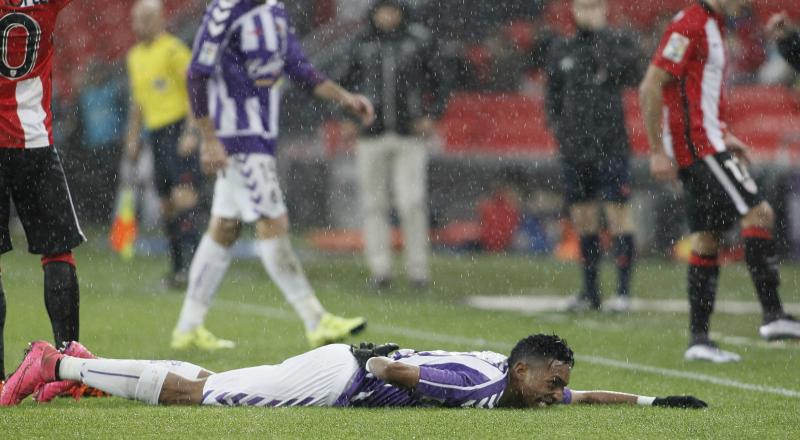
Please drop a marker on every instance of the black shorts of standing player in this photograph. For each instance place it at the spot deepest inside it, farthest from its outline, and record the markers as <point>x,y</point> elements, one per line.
<point>607,180</point>
<point>172,169</point>
<point>719,192</point>
<point>34,179</point>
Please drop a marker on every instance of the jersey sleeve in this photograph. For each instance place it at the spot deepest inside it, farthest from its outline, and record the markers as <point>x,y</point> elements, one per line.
<point>210,37</point>
<point>567,399</point>
<point>60,4</point>
<point>678,45</point>
<point>297,65</point>
<point>443,384</point>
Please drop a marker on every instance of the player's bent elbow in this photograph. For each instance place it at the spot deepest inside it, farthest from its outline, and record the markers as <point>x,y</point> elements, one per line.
<point>398,373</point>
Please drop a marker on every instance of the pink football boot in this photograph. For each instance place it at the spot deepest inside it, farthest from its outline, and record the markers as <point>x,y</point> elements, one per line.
<point>38,367</point>
<point>50,391</point>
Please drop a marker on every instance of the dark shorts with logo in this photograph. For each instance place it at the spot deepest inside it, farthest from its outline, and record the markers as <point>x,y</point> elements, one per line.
<point>34,180</point>
<point>719,192</point>
<point>172,169</point>
<point>607,180</point>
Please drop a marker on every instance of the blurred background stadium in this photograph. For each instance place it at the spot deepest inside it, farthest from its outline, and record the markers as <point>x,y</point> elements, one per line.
<point>494,180</point>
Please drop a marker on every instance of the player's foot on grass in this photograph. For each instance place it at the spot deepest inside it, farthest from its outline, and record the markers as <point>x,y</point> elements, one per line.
<point>618,304</point>
<point>333,328</point>
<point>37,367</point>
<point>579,304</point>
<point>199,338</point>
<point>176,280</point>
<point>708,351</point>
<point>50,391</point>
<point>786,327</point>
<point>380,283</point>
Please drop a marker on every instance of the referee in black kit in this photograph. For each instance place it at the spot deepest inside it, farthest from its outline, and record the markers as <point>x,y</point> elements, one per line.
<point>586,75</point>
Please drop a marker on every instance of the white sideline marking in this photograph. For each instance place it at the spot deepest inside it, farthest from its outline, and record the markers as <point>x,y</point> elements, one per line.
<point>254,309</point>
<point>535,303</point>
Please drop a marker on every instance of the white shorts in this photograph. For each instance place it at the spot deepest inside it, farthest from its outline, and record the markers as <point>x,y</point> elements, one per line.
<point>316,378</point>
<point>248,189</point>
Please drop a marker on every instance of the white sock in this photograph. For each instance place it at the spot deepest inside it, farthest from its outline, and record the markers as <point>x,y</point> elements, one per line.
<point>284,268</point>
<point>129,379</point>
<point>210,262</point>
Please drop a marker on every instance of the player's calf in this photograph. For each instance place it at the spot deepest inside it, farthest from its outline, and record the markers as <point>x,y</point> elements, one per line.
<point>62,296</point>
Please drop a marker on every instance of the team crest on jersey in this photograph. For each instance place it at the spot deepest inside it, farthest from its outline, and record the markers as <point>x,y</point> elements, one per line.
<point>676,47</point>
<point>208,53</point>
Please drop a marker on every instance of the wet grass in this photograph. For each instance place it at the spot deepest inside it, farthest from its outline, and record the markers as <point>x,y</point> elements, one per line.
<point>127,313</point>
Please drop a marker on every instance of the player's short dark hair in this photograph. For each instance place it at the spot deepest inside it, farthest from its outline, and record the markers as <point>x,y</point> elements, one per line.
<point>542,346</point>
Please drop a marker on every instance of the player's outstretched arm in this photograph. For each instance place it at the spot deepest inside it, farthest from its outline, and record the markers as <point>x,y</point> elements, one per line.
<point>612,398</point>
<point>357,105</point>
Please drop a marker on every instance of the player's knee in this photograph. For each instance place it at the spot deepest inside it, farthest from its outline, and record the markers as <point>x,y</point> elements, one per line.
<point>268,228</point>
<point>183,198</point>
<point>65,257</point>
<point>224,231</point>
<point>762,216</point>
<point>705,243</point>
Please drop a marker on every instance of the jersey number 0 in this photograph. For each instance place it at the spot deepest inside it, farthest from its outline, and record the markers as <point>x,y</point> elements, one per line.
<point>14,65</point>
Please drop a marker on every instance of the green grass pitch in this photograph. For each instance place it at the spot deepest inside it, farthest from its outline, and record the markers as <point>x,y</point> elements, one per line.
<point>127,314</point>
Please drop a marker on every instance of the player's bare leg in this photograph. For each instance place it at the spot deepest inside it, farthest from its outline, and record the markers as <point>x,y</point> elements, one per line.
<point>620,224</point>
<point>762,263</point>
<point>282,265</point>
<point>585,218</point>
<point>208,268</point>
<point>703,279</point>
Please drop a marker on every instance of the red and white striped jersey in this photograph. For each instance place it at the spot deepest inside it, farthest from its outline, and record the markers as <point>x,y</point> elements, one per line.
<point>693,51</point>
<point>26,64</point>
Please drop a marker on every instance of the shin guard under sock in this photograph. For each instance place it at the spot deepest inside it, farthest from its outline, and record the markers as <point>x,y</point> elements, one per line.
<point>590,253</point>
<point>703,278</point>
<point>759,252</point>
<point>62,298</point>
<point>624,249</point>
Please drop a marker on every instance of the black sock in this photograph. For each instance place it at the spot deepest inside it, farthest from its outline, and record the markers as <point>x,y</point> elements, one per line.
<point>703,277</point>
<point>759,254</point>
<point>172,229</point>
<point>590,253</point>
<point>62,299</point>
<point>188,237</point>
<point>2,326</point>
<point>624,249</point>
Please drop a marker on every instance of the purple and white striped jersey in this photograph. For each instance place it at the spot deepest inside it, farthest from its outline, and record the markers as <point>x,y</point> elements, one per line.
<point>447,379</point>
<point>242,50</point>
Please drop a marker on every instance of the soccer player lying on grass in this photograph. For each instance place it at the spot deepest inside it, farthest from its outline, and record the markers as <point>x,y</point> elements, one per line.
<point>536,374</point>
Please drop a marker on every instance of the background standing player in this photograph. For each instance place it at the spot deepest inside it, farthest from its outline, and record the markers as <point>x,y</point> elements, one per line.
<point>241,53</point>
<point>683,87</point>
<point>30,168</point>
<point>159,101</point>
<point>586,75</point>
<point>395,64</point>
<point>787,36</point>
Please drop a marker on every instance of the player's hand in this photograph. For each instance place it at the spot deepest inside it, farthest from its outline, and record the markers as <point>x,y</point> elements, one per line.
<point>680,402</point>
<point>349,131</point>
<point>132,150</point>
<point>367,350</point>
<point>212,156</point>
<point>187,144</point>
<point>738,148</point>
<point>360,107</point>
<point>424,127</point>
<point>662,168</point>
<point>778,27</point>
